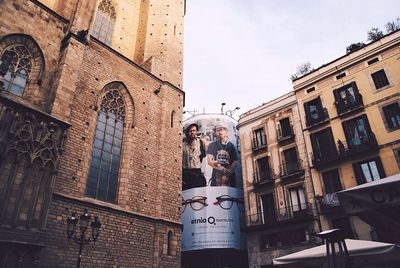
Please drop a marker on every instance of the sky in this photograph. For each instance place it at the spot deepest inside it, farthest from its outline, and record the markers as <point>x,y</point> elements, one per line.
<point>243,52</point>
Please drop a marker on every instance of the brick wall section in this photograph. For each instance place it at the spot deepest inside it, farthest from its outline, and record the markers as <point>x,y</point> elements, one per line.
<point>125,240</point>
<point>24,17</point>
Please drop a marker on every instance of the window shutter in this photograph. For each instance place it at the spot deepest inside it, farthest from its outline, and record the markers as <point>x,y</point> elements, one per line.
<point>358,173</point>
<point>381,170</point>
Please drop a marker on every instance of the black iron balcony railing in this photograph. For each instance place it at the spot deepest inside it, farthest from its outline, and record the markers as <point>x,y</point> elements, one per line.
<point>318,118</point>
<point>291,168</point>
<point>285,133</point>
<point>345,150</point>
<point>349,104</point>
<point>283,214</point>
<point>259,143</point>
<point>263,177</point>
<point>329,202</point>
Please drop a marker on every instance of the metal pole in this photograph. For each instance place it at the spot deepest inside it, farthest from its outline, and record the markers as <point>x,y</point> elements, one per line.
<point>80,255</point>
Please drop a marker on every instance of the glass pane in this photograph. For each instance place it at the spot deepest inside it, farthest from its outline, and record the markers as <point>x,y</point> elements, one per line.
<point>114,167</point>
<point>98,143</point>
<point>107,147</point>
<point>6,80</point>
<point>94,171</point>
<point>96,152</point>
<point>366,172</point>
<point>119,125</point>
<point>117,142</point>
<point>116,150</point>
<point>295,201</point>
<point>106,156</point>
<point>17,90</point>
<point>110,129</point>
<point>95,162</point>
<point>303,202</point>
<point>96,25</point>
<point>118,134</point>
<point>374,170</point>
<point>109,138</point>
<point>20,78</point>
<point>91,187</point>
<point>103,183</point>
<point>102,117</point>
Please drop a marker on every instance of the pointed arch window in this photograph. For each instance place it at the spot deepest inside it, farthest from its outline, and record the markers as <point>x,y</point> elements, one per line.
<point>19,62</point>
<point>169,243</point>
<point>104,22</point>
<point>102,181</point>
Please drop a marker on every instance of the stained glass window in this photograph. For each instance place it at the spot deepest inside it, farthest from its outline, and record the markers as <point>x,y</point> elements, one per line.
<point>104,21</point>
<point>20,67</point>
<point>103,172</point>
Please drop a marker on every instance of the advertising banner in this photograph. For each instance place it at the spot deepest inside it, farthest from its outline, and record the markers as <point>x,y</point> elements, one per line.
<point>212,217</point>
<point>212,196</point>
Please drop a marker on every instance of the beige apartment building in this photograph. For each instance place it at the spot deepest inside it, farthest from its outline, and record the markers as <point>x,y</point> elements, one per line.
<point>281,213</point>
<point>350,117</point>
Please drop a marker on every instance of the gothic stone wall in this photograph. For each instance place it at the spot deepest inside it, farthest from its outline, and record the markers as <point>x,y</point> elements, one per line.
<point>135,228</point>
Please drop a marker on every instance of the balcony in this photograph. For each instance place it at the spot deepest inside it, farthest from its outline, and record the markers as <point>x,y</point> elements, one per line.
<point>259,143</point>
<point>289,214</point>
<point>345,106</point>
<point>263,178</point>
<point>320,117</point>
<point>344,151</point>
<point>329,203</point>
<point>285,134</point>
<point>291,169</point>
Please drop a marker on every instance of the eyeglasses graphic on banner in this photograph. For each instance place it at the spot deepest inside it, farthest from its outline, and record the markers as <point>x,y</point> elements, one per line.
<point>226,202</point>
<point>196,203</point>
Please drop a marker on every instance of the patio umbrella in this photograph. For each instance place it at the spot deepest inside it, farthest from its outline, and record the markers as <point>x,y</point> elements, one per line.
<point>362,254</point>
<point>377,203</point>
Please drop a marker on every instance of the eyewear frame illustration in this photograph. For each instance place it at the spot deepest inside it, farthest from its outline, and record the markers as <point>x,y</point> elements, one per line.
<point>196,203</point>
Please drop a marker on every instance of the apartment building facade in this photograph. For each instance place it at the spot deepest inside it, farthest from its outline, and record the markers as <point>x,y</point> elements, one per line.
<point>281,213</point>
<point>350,116</point>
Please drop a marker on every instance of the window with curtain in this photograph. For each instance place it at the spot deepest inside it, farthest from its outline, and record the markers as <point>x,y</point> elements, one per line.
<point>298,199</point>
<point>103,173</point>
<point>19,61</point>
<point>104,21</point>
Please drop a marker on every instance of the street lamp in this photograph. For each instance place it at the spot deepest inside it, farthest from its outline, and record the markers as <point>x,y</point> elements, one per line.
<point>82,238</point>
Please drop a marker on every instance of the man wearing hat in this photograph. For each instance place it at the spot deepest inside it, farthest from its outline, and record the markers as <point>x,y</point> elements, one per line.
<point>194,151</point>
<point>222,156</point>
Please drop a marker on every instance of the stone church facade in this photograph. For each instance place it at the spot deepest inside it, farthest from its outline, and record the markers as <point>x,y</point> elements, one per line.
<point>90,106</point>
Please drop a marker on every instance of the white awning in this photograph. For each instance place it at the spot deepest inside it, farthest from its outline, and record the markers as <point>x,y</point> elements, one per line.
<point>361,252</point>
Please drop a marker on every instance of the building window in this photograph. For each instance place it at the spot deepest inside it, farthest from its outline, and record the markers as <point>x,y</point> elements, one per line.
<point>297,199</point>
<point>392,115</point>
<point>357,132</point>
<point>396,152</point>
<point>369,170</point>
<point>268,209</point>
<point>323,145</point>
<point>263,172</point>
<point>19,62</point>
<point>169,243</point>
<point>347,98</point>
<point>290,163</point>
<point>103,173</point>
<point>380,79</point>
<point>284,129</point>
<point>259,140</point>
<point>315,113</point>
<point>104,22</point>
<point>331,181</point>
